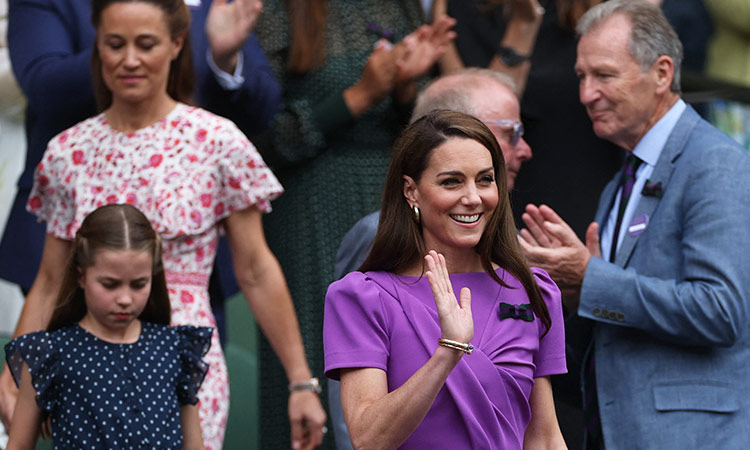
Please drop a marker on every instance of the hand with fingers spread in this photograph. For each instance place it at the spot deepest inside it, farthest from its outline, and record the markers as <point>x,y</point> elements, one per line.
<point>535,233</point>
<point>228,26</point>
<point>307,419</point>
<point>551,244</point>
<point>376,82</point>
<point>420,50</point>
<point>456,321</point>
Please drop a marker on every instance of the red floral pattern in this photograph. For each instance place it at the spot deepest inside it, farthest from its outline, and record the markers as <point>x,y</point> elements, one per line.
<point>186,173</point>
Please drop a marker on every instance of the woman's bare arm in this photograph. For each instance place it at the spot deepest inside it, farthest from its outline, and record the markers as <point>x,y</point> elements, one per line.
<point>36,312</point>
<point>543,432</point>
<point>262,282</point>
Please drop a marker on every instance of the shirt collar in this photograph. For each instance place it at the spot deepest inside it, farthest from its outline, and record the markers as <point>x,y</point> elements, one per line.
<point>650,146</point>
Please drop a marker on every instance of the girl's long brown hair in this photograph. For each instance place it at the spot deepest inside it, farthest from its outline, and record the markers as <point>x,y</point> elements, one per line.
<point>399,244</point>
<point>111,227</point>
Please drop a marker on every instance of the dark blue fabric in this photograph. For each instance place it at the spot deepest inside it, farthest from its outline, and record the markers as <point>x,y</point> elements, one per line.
<point>101,395</point>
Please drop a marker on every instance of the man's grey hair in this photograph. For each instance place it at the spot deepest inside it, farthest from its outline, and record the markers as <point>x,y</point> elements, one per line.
<point>459,93</point>
<point>652,36</point>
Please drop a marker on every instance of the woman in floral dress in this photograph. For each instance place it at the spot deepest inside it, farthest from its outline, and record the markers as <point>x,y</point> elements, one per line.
<point>192,173</point>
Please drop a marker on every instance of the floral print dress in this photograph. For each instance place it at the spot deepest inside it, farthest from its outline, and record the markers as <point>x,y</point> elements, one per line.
<point>186,173</point>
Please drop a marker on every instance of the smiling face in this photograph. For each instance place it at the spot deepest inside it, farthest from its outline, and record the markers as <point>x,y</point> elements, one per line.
<point>621,99</point>
<point>116,288</point>
<point>456,195</point>
<point>136,49</point>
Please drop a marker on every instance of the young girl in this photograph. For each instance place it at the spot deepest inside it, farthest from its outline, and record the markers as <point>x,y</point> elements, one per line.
<point>109,371</point>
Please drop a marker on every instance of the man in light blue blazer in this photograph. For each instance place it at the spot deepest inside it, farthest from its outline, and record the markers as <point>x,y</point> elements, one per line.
<point>669,292</point>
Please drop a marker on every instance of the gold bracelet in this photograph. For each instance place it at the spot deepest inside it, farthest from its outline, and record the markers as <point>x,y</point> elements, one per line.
<point>455,345</point>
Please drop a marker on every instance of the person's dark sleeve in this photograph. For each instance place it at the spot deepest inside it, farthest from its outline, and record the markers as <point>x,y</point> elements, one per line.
<point>54,75</point>
<point>254,104</point>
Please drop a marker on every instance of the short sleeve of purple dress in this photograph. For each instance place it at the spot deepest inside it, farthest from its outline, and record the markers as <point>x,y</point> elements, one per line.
<point>380,320</point>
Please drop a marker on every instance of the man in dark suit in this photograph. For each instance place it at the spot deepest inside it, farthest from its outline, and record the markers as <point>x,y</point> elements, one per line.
<point>663,273</point>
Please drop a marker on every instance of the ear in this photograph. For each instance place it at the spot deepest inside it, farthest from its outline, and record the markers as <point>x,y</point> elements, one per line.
<point>663,72</point>
<point>177,43</point>
<point>410,190</point>
<point>81,278</point>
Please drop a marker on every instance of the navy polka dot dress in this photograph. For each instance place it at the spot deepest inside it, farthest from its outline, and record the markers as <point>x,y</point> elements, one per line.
<point>101,395</point>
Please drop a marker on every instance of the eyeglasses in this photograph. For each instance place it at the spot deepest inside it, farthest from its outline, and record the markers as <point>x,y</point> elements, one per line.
<point>517,128</point>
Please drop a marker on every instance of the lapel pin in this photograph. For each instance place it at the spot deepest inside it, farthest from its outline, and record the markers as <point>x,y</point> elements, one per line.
<point>638,225</point>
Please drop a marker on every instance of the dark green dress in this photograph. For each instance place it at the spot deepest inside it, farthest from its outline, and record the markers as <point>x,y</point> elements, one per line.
<point>331,165</point>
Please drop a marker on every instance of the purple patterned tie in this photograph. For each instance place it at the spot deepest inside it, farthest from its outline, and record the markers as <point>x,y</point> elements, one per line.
<point>628,179</point>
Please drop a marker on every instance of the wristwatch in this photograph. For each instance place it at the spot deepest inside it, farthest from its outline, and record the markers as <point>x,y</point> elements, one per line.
<point>510,56</point>
<point>312,385</point>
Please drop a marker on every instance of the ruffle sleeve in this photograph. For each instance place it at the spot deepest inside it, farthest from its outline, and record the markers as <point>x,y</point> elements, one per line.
<point>185,173</point>
<point>37,350</point>
<point>207,171</point>
<point>244,178</point>
<point>194,343</point>
<point>51,199</point>
<point>550,359</point>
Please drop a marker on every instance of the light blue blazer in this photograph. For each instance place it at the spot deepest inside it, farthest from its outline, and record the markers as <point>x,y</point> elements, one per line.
<point>672,313</point>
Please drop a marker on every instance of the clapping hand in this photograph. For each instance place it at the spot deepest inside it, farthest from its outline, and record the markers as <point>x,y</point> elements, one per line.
<point>379,73</point>
<point>421,49</point>
<point>228,26</point>
<point>393,68</point>
<point>456,321</point>
<point>548,242</point>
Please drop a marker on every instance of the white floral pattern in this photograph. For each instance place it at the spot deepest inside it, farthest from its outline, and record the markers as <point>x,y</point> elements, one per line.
<point>186,173</point>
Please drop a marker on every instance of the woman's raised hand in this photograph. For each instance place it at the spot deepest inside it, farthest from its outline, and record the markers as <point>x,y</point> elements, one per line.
<point>456,321</point>
<point>228,26</point>
<point>420,50</point>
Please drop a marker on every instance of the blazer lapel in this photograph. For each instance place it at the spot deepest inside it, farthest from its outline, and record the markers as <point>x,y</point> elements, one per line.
<point>661,174</point>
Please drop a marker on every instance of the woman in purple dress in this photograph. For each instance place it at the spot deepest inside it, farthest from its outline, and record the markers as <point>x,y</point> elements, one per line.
<point>418,368</point>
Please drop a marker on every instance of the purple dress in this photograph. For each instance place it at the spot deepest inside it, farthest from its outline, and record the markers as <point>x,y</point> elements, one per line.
<point>389,322</point>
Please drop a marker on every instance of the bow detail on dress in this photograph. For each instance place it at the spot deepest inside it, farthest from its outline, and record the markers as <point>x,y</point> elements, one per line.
<point>523,312</point>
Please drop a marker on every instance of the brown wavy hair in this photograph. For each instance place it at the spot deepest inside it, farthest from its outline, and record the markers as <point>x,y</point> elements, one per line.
<point>399,244</point>
<point>307,23</point>
<point>111,227</point>
<point>181,82</point>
